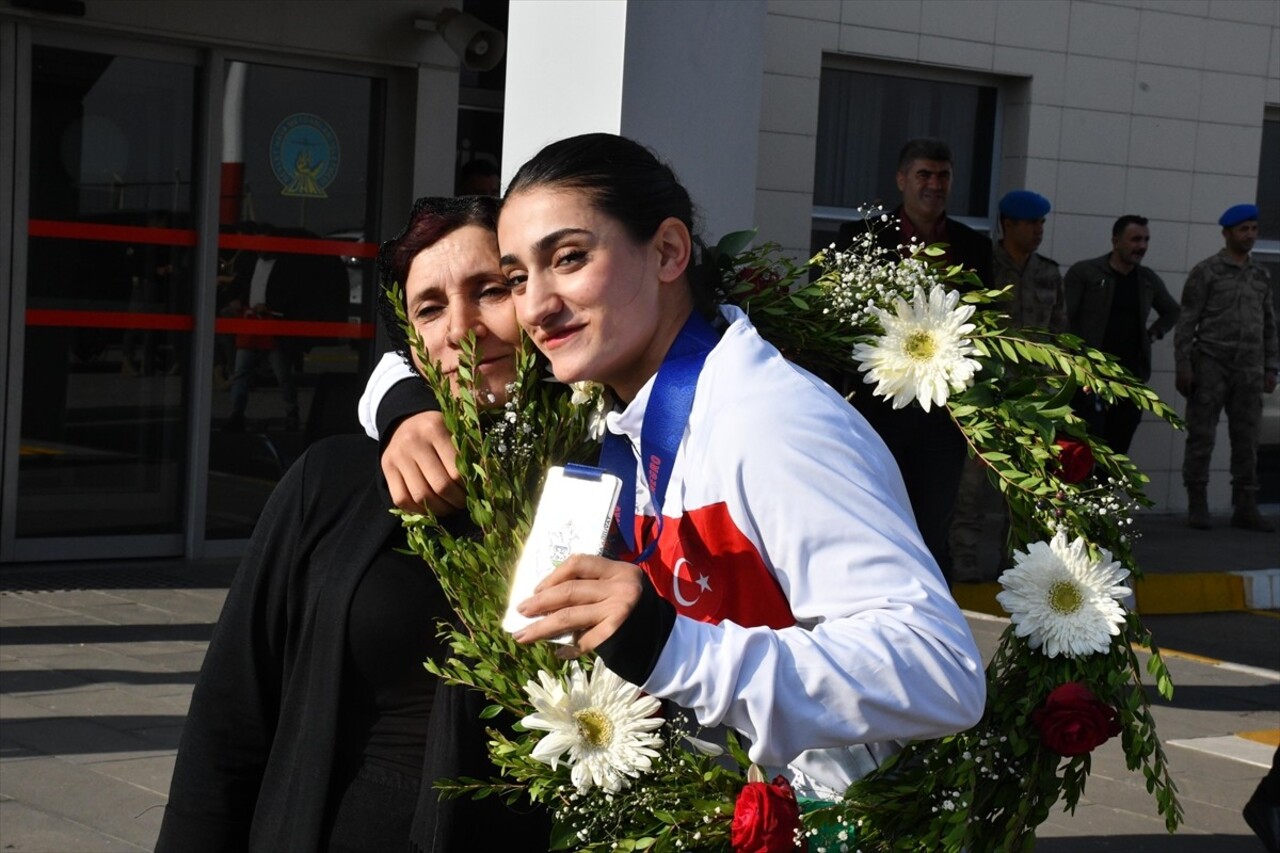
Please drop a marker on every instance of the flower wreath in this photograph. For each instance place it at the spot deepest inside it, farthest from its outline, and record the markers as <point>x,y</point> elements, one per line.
<point>1064,678</point>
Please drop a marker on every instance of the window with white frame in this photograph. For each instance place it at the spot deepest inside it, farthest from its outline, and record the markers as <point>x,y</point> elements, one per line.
<point>864,117</point>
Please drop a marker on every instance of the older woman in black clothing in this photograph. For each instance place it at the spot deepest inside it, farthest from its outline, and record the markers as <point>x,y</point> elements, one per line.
<point>313,725</point>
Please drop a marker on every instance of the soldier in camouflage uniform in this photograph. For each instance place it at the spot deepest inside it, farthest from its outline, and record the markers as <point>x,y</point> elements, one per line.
<point>1227,355</point>
<point>1038,300</point>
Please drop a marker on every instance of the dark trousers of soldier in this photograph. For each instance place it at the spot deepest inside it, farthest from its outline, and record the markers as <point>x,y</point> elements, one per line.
<point>1238,390</point>
<point>1114,423</point>
<point>980,518</point>
<point>930,452</point>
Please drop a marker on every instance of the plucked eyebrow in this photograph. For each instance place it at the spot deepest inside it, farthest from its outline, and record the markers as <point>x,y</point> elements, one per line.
<point>544,244</point>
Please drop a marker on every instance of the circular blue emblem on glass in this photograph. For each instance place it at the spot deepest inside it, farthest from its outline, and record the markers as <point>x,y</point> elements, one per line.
<point>305,155</point>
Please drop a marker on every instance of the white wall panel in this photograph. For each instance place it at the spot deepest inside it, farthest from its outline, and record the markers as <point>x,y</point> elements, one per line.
<point>1158,191</point>
<point>901,15</point>
<point>790,104</point>
<point>1043,25</point>
<point>1171,39</point>
<point>1229,149</point>
<point>1099,84</point>
<point>1164,143</point>
<point>1103,30</point>
<point>975,55</point>
<point>1090,188</point>
<point>964,21</point>
<point>1045,132</point>
<point>817,10</point>
<point>1047,71</point>
<point>1249,11</point>
<point>783,218</point>
<point>795,45</point>
<point>1096,136</point>
<point>1167,91</point>
<point>1231,98</point>
<point>886,44</point>
<point>1237,48</point>
<point>786,162</point>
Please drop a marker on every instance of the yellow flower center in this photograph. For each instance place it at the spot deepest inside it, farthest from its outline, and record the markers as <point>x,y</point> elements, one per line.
<point>921,346</point>
<point>594,726</point>
<point>1064,597</point>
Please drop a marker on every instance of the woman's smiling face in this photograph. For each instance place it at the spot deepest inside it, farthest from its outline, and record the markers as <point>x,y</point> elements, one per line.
<point>585,291</point>
<point>456,286</point>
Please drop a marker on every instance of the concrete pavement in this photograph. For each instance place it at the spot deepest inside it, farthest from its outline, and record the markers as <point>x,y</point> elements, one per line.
<point>97,662</point>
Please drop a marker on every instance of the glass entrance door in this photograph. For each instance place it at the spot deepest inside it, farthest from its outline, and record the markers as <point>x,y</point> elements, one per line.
<point>107,313</point>
<point>175,343</point>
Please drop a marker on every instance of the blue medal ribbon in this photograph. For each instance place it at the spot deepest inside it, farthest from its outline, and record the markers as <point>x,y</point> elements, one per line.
<point>665,418</point>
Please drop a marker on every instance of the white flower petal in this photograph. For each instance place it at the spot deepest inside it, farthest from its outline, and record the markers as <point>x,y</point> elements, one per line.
<point>706,747</point>
<point>925,353</point>
<point>1062,600</point>
<point>603,722</point>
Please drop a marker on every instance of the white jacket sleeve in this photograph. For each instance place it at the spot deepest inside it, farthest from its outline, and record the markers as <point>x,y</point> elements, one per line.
<point>391,370</point>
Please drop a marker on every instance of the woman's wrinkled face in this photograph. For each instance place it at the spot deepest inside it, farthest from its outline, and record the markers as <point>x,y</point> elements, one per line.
<point>584,290</point>
<point>455,287</point>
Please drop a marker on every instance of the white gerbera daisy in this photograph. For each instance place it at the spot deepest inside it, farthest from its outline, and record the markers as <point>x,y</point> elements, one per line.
<point>924,352</point>
<point>1061,598</point>
<point>602,721</point>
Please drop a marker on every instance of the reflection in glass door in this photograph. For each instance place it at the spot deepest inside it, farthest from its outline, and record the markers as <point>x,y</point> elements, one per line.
<point>108,296</point>
<point>125,276</point>
<point>295,276</point>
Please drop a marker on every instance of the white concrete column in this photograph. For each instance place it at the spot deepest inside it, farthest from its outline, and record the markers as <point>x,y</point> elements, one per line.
<point>683,77</point>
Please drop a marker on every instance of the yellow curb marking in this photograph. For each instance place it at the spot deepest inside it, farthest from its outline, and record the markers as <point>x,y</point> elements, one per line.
<point>1174,653</point>
<point>1271,737</point>
<point>1211,592</point>
<point>1194,592</point>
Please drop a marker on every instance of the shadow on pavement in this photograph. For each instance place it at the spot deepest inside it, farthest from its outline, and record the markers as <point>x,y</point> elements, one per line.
<point>1252,639</point>
<point>1191,697</point>
<point>58,635</point>
<point>115,574</point>
<point>1156,843</point>
<point>45,680</point>
<point>97,734</point>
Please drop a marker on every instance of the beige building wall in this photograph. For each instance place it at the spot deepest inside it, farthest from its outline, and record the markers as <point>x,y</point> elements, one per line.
<point>1154,108</point>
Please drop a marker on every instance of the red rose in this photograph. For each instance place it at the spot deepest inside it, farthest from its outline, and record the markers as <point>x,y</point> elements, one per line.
<point>766,818</point>
<point>758,279</point>
<point>1075,460</point>
<point>1073,721</point>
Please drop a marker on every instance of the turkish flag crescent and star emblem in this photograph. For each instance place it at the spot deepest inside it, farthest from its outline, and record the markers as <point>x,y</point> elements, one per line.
<point>710,571</point>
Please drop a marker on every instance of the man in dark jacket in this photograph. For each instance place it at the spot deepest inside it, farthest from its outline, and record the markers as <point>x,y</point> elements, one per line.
<point>928,448</point>
<point>1109,302</point>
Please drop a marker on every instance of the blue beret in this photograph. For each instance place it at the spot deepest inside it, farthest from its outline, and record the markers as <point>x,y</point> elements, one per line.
<point>1024,204</point>
<point>1238,213</point>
